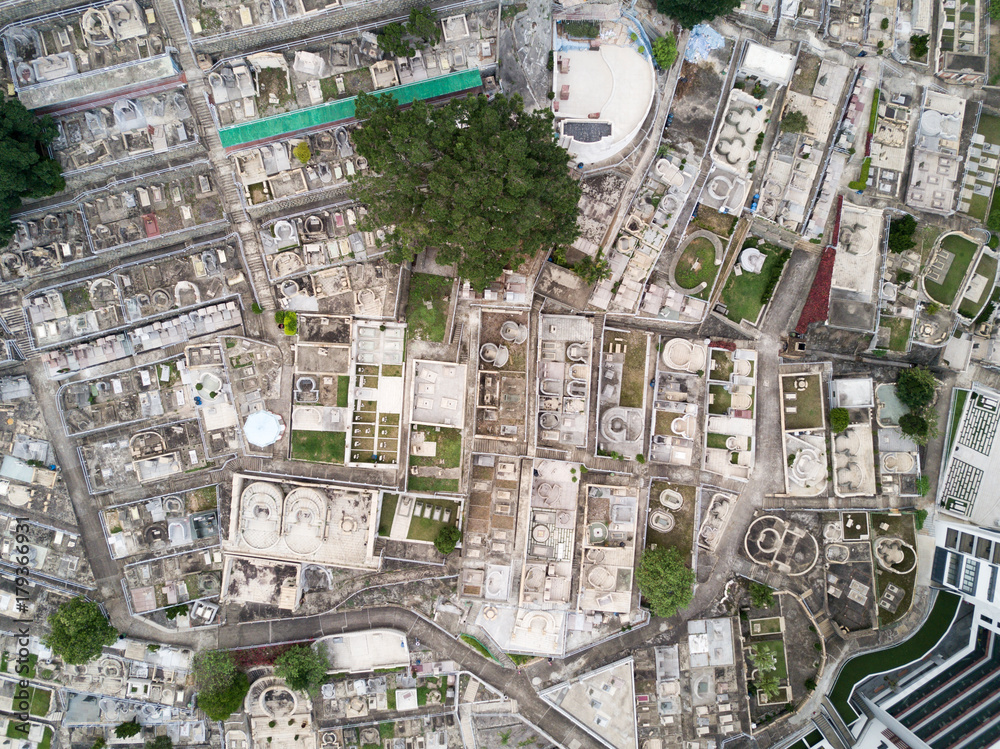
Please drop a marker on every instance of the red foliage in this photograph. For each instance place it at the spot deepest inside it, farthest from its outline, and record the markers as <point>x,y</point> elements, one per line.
<point>264,656</point>
<point>817,307</point>
<point>727,345</point>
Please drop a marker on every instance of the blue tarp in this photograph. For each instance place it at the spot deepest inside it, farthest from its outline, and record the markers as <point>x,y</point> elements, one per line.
<point>702,41</point>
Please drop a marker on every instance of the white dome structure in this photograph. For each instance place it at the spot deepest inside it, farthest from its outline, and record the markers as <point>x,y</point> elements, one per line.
<point>263,428</point>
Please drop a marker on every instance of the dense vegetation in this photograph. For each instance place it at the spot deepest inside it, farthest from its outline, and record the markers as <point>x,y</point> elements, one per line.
<point>666,583</point>
<point>26,171</point>
<point>689,13</point>
<point>79,631</point>
<point>482,182</point>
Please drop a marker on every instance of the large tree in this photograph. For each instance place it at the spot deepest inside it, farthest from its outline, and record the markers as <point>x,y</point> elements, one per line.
<point>423,23</point>
<point>303,668</point>
<point>79,631</point>
<point>26,171</point>
<point>666,583</point>
<point>221,686</point>
<point>482,182</point>
<point>915,388</point>
<point>689,13</point>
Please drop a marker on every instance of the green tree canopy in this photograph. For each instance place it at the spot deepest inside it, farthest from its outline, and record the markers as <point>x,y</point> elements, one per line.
<point>767,683</point>
<point>392,41</point>
<point>423,23</point>
<point>79,631</point>
<point>160,742</point>
<point>221,686</point>
<point>665,50</point>
<point>127,729</point>
<point>485,183</point>
<point>446,539</point>
<point>794,122</point>
<point>915,388</point>
<point>26,171</point>
<point>839,420</point>
<point>763,658</point>
<point>901,233</point>
<point>303,668</point>
<point>761,596</point>
<point>689,13</point>
<point>915,427</point>
<point>666,583</point>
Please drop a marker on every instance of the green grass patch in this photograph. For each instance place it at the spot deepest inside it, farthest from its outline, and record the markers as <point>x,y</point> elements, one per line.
<point>319,447</point>
<point>427,306</point>
<point>392,370</point>
<point>519,660</point>
<point>477,646</point>
<point>745,295</point>
<point>582,29</point>
<point>873,115</point>
<point>634,371</point>
<point>963,251</point>
<point>431,484</point>
<point>46,741</point>
<point>343,390</point>
<point>862,181</point>
<point>449,447</point>
<point>899,332</point>
<point>808,403</point>
<point>956,415</point>
<point>388,511</point>
<point>681,536</point>
<point>721,366</point>
<point>987,311</point>
<point>987,267</point>
<point>717,441</point>
<point>427,529</point>
<point>13,732</point>
<point>696,266</point>
<point>859,668</point>
<point>77,300</point>
<point>978,206</point>
<point>778,648</point>
<point>719,399</point>
<point>40,701</point>
<point>386,730</point>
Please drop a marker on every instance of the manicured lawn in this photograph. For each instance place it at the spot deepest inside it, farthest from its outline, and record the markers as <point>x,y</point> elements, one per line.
<point>427,307</point>
<point>318,447</point>
<point>768,626</point>
<point>808,403</point>
<point>778,648</point>
<point>978,205</point>
<point>987,267</point>
<point>343,389</point>
<point>13,732</point>
<point>720,399</point>
<point>427,529</point>
<point>449,447</point>
<point>743,294</point>
<point>956,415</point>
<point>700,252</point>
<point>40,700</point>
<point>392,370</point>
<point>389,502</point>
<point>858,669</point>
<point>431,484</point>
<point>716,441</point>
<point>963,250</point>
<point>634,372</point>
<point>663,421</point>
<point>899,332</point>
<point>46,741</point>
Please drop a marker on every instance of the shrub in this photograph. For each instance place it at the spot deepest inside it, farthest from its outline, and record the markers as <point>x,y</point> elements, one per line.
<point>761,596</point>
<point>302,152</point>
<point>127,729</point>
<point>640,458</point>
<point>759,90</point>
<point>903,277</point>
<point>665,51</point>
<point>794,122</point>
<point>919,46</point>
<point>885,24</point>
<point>839,420</point>
<point>901,232</point>
<point>810,684</point>
<point>923,486</point>
<point>447,538</point>
<point>921,517</point>
<point>303,668</point>
<point>221,687</point>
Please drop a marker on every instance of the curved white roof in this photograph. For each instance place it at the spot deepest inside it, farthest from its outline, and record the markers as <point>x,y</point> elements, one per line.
<point>263,428</point>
